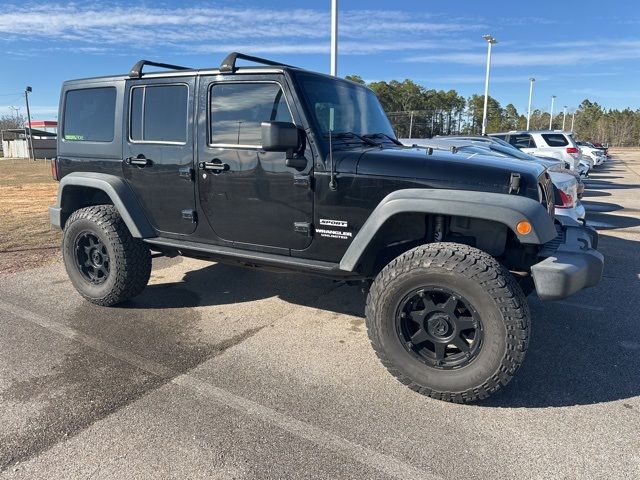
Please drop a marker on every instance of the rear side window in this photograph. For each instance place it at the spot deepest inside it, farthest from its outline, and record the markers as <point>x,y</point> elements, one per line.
<point>523,140</point>
<point>89,115</point>
<point>158,113</point>
<point>238,109</point>
<point>555,139</point>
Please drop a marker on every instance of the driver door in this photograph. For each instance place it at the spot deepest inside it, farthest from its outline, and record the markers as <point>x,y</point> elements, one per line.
<point>250,197</point>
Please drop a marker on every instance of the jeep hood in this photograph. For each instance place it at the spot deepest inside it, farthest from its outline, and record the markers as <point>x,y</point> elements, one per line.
<point>443,169</point>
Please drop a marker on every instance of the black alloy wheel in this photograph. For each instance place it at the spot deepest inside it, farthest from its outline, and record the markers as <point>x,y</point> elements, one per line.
<point>439,327</point>
<point>92,258</point>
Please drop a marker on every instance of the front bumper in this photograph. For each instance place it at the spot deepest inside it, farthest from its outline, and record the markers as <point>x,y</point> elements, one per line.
<point>577,212</point>
<point>571,264</point>
<point>55,216</point>
<point>583,170</point>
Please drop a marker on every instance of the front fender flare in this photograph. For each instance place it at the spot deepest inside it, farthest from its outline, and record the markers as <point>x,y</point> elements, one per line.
<point>117,190</point>
<point>498,207</point>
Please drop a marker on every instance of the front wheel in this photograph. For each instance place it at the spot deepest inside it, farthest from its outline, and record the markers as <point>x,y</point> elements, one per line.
<point>448,321</point>
<point>104,262</point>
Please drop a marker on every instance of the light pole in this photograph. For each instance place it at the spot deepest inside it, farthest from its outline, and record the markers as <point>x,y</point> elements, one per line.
<point>531,80</point>
<point>553,99</point>
<point>15,110</point>
<point>26,99</point>
<point>490,41</point>
<point>564,116</point>
<point>573,119</point>
<point>334,37</point>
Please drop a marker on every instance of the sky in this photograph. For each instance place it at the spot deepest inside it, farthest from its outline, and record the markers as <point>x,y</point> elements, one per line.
<point>574,49</point>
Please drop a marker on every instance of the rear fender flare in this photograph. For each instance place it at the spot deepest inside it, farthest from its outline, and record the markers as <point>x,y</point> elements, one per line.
<point>117,190</point>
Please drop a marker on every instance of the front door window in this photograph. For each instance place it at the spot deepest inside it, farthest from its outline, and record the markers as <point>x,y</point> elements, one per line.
<point>238,109</point>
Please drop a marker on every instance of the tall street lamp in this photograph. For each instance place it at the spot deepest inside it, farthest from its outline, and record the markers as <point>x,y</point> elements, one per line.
<point>531,80</point>
<point>490,41</point>
<point>27,91</point>
<point>573,119</point>
<point>564,116</point>
<point>334,37</point>
<point>553,99</point>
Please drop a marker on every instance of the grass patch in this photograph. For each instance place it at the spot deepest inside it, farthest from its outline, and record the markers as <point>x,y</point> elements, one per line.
<point>26,238</point>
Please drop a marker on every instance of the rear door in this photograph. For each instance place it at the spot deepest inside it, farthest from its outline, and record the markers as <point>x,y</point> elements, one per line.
<point>158,151</point>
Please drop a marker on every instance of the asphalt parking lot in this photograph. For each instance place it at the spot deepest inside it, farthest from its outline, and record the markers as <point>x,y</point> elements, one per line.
<point>221,372</point>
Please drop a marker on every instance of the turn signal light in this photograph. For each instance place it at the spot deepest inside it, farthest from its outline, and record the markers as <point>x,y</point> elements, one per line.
<point>523,227</point>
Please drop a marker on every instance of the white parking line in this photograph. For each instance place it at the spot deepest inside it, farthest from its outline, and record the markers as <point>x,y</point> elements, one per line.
<point>384,463</point>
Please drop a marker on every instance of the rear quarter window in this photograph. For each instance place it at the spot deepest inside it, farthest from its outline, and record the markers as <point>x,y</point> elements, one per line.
<point>89,115</point>
<point>555,139</point>
<point>522,141</point>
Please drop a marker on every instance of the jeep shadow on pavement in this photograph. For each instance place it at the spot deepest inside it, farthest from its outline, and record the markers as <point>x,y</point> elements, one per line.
<point>279,167</point>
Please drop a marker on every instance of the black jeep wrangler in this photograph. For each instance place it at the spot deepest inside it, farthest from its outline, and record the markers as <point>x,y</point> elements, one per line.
<point>281,167</point>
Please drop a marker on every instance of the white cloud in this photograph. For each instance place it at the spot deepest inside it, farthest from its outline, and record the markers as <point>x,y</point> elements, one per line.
<point>97,29</point>
<point>607,93</point>
<point>561,54</point>
<point>47,111</point>
<point>479,79</point>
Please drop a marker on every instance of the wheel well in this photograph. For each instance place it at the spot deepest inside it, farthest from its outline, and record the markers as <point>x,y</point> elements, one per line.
<point>407,230</point>
<point>75,197</point>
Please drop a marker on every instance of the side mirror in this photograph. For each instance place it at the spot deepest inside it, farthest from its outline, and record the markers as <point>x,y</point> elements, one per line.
<point>280,137</point>
<point>285,137</point>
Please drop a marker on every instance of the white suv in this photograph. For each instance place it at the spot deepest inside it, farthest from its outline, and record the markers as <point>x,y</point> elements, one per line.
<point>592,152</point>
<point>545,143</point>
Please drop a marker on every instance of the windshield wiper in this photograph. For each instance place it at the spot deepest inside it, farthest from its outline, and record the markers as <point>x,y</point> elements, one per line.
<point>396,141</point>
<point>368,141</point>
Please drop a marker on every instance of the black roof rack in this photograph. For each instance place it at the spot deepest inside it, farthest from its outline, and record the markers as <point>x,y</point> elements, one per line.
<point>228,65</point>
<point>136,70</point>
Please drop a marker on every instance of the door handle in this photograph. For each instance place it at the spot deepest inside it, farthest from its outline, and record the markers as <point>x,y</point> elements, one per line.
<point>215,166</point>
<point>140,161</point>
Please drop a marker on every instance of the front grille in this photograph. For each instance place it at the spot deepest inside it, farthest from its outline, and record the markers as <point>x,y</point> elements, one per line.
<point>551,246</point>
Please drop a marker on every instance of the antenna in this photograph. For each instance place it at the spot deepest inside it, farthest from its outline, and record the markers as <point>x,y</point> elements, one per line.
<point>333,185</point>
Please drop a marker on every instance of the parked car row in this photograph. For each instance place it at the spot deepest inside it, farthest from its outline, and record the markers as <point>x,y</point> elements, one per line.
<point>598,155</point>
<point>581,157</point>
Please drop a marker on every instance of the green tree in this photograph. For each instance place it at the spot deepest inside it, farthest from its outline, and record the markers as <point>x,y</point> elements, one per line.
<point>494,114</point>
<point>12,121</point>
<point>421,112</point>
<point>356,78</point>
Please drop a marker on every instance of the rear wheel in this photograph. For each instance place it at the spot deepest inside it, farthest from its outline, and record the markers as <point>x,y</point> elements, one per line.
<point>448,321</point>
<point>104,262</point>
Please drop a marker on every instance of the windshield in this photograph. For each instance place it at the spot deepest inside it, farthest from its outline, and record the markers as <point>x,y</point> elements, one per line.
<point>512,152</point>
<point>343,107</point>
<point>504,143</point>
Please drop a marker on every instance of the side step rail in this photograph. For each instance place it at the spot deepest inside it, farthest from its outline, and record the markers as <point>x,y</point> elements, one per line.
<point>251,257</point>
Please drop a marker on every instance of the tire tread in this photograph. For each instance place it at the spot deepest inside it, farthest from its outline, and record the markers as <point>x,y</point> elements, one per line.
<point>493,277</point>
<point>132,262</point>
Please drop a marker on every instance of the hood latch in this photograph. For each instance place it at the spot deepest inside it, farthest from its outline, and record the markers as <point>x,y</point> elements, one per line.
<point>514,183</point>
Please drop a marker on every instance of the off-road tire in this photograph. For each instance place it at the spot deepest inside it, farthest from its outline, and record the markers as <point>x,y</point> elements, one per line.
<point>497,298</point>
<point>130,258</point>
